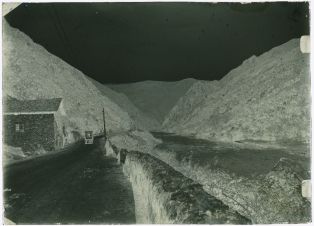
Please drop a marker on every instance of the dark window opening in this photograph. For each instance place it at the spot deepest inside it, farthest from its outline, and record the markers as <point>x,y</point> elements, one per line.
<point>19,127</point>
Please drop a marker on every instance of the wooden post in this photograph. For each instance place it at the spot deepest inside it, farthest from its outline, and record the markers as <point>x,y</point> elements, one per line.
<point>104,119</point>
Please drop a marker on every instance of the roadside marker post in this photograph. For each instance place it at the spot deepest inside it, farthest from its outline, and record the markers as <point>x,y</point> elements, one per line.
<point>89,138</point>
<point>307,189</point>
<point>305,44</point>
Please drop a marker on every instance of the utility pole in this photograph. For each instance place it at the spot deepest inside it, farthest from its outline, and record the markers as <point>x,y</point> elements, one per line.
<point>104,119</point>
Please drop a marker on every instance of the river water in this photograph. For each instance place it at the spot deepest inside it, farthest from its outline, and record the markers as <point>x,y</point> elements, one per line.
<point>239,159</point>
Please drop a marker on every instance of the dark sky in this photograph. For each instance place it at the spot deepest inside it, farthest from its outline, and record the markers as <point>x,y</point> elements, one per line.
<point>127,42</point>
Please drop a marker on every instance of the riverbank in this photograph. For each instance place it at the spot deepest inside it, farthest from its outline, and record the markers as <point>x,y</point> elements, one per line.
<point>262,184</point>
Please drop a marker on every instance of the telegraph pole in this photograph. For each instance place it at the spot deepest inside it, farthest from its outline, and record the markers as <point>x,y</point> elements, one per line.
<point>104,119</point>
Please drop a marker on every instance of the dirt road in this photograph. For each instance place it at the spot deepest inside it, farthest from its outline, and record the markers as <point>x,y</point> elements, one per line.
<point>79,185</point>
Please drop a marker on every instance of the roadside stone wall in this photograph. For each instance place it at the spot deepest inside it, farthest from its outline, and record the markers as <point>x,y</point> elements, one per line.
<point>165,196</point>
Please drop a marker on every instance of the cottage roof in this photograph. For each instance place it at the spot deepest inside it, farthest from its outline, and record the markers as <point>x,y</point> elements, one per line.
<point>13,105</point>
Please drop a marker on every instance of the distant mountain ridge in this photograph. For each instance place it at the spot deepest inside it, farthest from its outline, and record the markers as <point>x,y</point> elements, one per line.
<point>142,121</point>
<point>154,98</point>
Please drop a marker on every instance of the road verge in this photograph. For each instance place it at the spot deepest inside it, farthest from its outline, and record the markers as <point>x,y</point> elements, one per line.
<point>164,196</point>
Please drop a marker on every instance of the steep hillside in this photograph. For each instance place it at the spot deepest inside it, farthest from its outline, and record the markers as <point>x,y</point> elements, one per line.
<point>154,98</point>
<point>266,98</point>
<point>142,121</point>
<point>31,72</point>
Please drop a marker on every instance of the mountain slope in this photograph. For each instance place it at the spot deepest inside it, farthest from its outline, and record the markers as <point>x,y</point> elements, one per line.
<point>154,98</point>
<point>142,121</point>
<point>265,98</point>
<point>31,72</point>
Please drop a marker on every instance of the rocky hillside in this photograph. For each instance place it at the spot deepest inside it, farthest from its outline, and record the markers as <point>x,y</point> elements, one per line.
<point>154,98</point>
<point>31,72</point>
<point>266,98</point>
